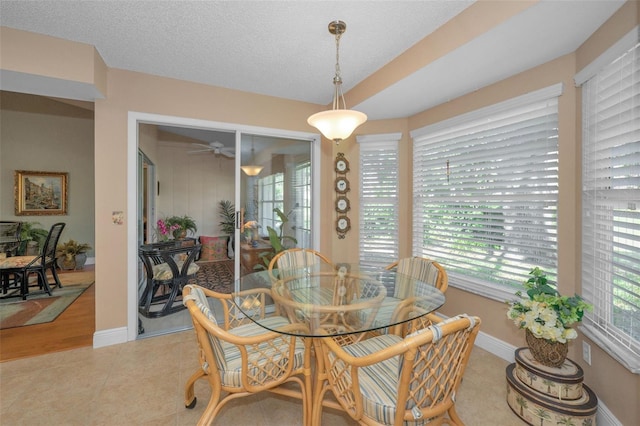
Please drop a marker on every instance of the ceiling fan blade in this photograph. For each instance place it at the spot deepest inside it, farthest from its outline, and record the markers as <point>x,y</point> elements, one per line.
<point>229,154</point>
<point>199,150</point>
<point>202,145</point>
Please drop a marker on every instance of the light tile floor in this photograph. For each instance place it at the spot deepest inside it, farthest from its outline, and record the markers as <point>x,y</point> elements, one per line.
<point>142,383</point>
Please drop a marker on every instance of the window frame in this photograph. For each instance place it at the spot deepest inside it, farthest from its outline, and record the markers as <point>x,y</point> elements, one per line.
<point>600,326</point>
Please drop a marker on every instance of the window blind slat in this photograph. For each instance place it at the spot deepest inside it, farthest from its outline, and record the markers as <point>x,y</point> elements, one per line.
<point>485,194</point>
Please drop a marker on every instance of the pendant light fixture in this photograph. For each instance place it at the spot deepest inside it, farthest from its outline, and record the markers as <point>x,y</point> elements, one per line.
<point>252,169</point>
<point>339,122</point>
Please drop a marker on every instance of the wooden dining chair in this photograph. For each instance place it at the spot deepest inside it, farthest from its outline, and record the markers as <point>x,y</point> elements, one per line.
<point>238,357</point>
<point>391,380</point>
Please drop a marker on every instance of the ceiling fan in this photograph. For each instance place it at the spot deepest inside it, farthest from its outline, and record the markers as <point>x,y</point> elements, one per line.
<point>216,147</point>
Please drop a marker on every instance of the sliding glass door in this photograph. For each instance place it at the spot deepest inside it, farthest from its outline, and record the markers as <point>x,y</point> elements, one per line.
<point>275,198</point>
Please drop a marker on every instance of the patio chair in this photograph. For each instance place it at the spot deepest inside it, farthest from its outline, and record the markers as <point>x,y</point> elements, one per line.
<point>391,380</point>
<point>239,357</point>
<point>167,267</point>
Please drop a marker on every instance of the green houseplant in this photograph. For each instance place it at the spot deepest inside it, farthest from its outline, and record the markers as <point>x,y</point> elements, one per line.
<point>279,241</point>
<point>185,224</point>
<point>547,317</point>
<point>227,213</point>
<point>72,254</point>
<point>32,237</point>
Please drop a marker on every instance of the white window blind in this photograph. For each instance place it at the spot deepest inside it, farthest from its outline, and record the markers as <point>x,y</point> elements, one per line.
<point>611,206</point>
<point>378,215</point>
<point>485,192</point>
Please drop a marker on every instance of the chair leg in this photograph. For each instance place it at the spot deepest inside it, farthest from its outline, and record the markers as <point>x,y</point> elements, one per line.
<point>453,415</point>
<point>24,283</point>
<point>189,395</point>
<point>42,280</point>
<point>55,275</point>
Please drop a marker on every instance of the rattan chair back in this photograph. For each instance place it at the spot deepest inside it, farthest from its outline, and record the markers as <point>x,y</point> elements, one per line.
<point>294,259</point>
<point>388,379</point>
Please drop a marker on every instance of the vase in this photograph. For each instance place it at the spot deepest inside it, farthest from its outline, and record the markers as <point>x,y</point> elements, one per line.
<point>547,352</point>
<point>80,260</point>
<point>180,234</point>
<point>67,263</point>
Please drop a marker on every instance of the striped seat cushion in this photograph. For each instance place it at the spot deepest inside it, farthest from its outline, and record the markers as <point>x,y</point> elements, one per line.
<point>163,272</point>
<point>269,352</point>
<point>411,269</point>
<point>379,382</point>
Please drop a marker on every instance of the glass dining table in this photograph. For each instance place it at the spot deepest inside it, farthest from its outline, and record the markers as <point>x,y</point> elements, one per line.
<point>347,302</point>
<point>340,299</point>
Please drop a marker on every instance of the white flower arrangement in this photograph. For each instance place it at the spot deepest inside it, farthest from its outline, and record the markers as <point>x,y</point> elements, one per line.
<point>546,314</point>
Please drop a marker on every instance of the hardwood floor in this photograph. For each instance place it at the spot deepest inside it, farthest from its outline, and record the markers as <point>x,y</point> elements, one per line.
<point>74,328</point>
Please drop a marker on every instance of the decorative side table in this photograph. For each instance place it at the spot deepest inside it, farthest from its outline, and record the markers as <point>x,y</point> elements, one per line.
<point>542,395</point>
<point>250,255</point>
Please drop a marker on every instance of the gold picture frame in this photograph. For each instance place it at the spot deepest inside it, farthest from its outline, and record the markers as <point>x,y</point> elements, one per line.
<point>40,193</point>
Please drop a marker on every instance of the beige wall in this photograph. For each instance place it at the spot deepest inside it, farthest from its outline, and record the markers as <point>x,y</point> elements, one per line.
<point>40,134</point>
<point>193,184</point>
<point>128,91</point>
<point>615,385</point>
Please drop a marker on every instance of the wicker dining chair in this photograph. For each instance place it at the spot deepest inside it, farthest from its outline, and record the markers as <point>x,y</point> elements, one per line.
<point>414,274</point>
<point>390,380</point>
<point>295,258</point>
<point>239,358</point>
<point>15,271</point>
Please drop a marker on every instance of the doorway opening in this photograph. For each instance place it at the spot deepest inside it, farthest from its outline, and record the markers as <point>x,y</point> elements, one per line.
<point>220,157</point>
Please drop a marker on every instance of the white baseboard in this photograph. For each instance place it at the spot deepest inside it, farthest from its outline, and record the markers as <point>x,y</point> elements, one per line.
<point>507,352</point>
<point>109,337</point>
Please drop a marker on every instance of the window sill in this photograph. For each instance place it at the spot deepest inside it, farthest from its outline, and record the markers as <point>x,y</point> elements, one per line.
<point>624,356</point>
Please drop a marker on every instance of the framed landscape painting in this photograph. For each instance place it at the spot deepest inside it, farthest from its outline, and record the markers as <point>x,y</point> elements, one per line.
<point>40,193</point>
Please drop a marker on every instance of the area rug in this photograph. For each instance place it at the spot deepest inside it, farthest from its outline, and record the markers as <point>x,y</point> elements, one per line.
<point>216,276</point>
<point>41,308</point>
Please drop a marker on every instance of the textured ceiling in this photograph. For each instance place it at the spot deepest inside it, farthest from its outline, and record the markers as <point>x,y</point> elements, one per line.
<point>278,48</point>
<point>283,48</point>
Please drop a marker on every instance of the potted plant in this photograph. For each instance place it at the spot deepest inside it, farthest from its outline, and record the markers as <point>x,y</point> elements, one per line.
<point>185,225</point>
<point>546,316</point>
<point>227,212</point>
<point>32,237</point>
<point>72,254</point>
<point>279,241</point>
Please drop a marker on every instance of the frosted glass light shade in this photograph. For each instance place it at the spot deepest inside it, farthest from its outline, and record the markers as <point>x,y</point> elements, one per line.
<point>337,124</point>
<point>251,170</point>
